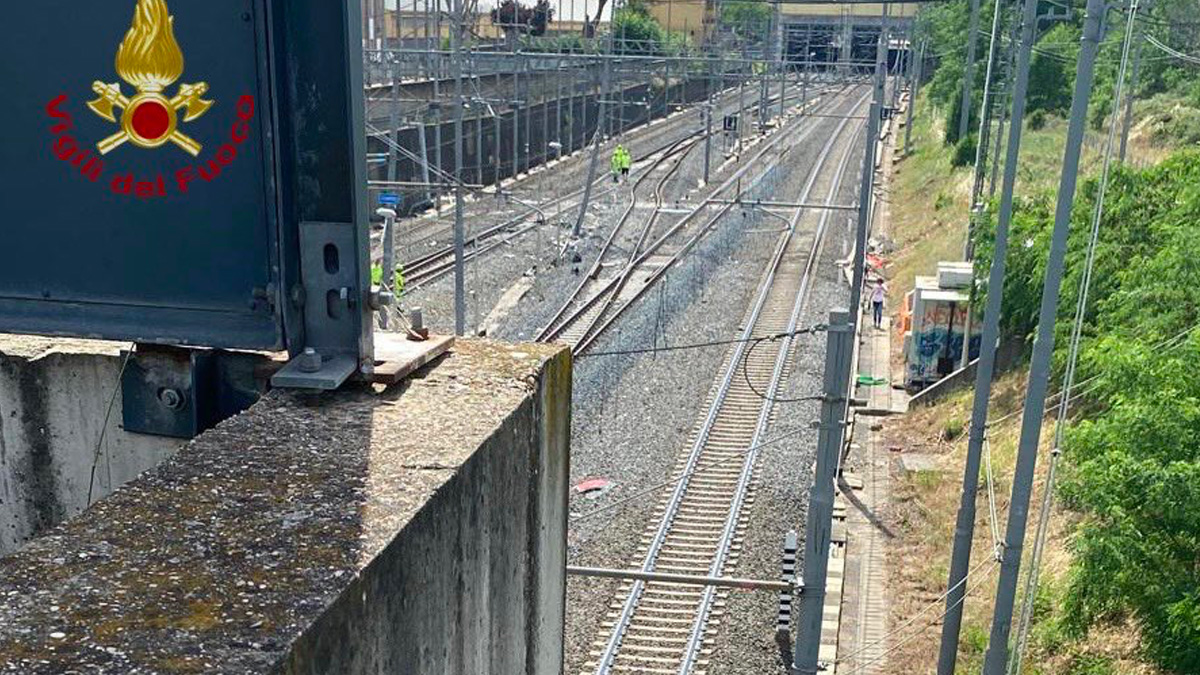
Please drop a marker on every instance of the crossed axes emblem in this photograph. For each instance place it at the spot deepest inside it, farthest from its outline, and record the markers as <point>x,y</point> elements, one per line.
<point>149,119</point>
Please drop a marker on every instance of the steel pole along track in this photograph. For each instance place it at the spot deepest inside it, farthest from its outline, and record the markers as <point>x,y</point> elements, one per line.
<point>594,314</point>
<point>663,628</point>
<point>429,267</point>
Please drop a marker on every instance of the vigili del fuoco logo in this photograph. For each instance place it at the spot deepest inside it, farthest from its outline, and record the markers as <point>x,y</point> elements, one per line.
<point>150,61</point>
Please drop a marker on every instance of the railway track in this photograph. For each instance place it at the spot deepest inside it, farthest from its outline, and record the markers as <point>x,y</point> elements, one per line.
<point>664,628</point>
<point>423,269</point>
<point>593,286</point>
<point>431,266</point>
<point>597,303</point>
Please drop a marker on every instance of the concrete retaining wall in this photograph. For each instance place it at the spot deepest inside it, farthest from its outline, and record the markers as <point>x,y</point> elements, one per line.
<point>488,152</point>
<point>417,530</point>
<point>1008,354</point>
<point>53,398</point>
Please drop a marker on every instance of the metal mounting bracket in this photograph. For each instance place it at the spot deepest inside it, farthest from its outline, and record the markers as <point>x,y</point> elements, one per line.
<point>332,301</point>
<point>181,392</point>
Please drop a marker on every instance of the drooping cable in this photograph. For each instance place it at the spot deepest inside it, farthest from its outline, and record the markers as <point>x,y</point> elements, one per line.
<point>112,399</point>
<point>991,564</point>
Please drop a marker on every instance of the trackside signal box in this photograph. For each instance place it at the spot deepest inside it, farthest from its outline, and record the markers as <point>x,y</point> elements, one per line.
<point>187,173</point>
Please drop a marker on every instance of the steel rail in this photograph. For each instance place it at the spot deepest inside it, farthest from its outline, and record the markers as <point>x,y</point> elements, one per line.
<point>608,294</point>
<point>675,501</point>
<point>556,325</point>
<point>593,332</point>
<point>781,361</point>
<point>661,127</point>
<point>428,267</point>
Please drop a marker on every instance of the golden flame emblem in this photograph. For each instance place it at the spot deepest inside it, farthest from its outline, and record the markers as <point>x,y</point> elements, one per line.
<point>150,60</point>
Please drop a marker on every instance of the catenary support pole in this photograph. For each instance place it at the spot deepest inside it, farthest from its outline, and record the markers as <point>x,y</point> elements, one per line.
<point>842,331</point>
<point>964,114</point>
<point>423,146</point>
<point>981,146</point>
<point>437,125</point>
<point>1029,592</point>
<point>986,106</point>
<point>1133,82</point>
<point>708,111</point>
<point>393,130</point>
<point>596,144</point>
<point>780,58</point>
<point>1010,58</point>
<point>964,529</point>
<point>516,130</point>
<point>838,345</point>
<point>912,96</point>
<point>1043,347</point>
<point>460,291</point>
<point>866,192</point>
<point>497,123</point>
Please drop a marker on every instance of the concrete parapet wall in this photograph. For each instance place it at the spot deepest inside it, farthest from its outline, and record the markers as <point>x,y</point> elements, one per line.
<point>1008,354</point>
<point>54,394</point>
<point>417,530</point>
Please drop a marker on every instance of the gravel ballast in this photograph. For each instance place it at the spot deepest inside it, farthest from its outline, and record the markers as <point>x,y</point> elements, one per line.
<point>634,414</point>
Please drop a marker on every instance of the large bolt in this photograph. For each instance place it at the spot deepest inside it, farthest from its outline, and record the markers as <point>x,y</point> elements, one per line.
<point>310,361</point>
<point>171,398</point>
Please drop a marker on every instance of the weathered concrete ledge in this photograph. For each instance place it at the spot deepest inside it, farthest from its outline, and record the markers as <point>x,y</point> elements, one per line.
<point>417,530</point>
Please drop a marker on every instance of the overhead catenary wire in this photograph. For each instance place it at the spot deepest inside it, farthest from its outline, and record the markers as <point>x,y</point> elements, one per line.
<point>860,668</point>
<point>701,345</point>
<point>1188,58</point>
<point>1039,541</point>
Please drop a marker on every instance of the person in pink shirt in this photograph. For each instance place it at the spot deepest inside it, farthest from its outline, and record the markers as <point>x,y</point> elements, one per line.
<point>877,295</point>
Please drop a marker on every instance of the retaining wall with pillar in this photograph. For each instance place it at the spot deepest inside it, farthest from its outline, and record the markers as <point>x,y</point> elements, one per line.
<point>57,442</point>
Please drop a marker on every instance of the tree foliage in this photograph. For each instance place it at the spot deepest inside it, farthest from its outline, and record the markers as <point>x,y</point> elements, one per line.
<point>748,20</point>
<point>636,32</point>
<point>1052,68</point>
<point>515,18</point>
<point>1133,461</point>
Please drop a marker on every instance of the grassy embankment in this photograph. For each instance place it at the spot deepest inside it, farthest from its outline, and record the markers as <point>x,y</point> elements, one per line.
<point>928,204</point>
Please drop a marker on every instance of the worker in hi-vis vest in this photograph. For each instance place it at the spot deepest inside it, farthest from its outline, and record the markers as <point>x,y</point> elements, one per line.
<point>621,162</point>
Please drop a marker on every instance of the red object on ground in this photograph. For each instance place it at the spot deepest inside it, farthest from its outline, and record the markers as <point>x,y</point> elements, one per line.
<point>591,485</point>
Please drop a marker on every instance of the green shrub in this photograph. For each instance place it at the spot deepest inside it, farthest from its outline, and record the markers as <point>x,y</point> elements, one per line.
<point>964,152</point>
<point>1037,120</point>
<point>1092,664</point>
<point>952,429</point>
<point>1052,70</point>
